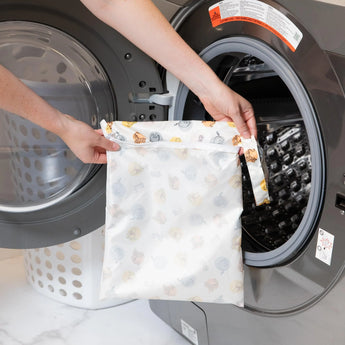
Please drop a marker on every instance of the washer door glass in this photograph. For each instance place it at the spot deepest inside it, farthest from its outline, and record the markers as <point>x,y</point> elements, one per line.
<point>37,169</point>
<point>291,144</point>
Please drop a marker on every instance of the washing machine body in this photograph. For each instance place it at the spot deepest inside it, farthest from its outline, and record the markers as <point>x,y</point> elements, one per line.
<point>287,58</point>
<point>87,70</point>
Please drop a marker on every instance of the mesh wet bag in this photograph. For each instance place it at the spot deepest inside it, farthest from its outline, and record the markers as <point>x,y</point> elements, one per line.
<point>174,202</point>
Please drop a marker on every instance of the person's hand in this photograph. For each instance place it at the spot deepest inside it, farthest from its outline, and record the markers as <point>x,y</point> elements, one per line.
<point>224,104</point>
<point>87,144</point>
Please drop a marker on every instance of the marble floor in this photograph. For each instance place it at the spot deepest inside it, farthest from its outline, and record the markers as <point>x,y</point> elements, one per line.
<point>29,318</point>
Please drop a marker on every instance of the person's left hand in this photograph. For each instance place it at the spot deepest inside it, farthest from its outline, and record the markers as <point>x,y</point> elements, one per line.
<point>87,144</point>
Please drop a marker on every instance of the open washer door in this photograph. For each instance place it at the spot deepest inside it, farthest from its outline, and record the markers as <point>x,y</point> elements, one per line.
<point>86,70</point>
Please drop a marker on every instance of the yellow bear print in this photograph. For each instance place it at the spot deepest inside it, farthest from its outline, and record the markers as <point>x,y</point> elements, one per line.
<point>139,138</point>
<point>133,233</point>
<point>231,124</point>
<point>175,233</point>
<point>236,243</point>
<point>128,124</point>
<point>181,259</point>
<point>174,182</point>
<point>109,127</point>
<point>211,284</point>
<point>236,286</point>
<point>176,140</point>
<point>134,168</point>
<point>181,153</point>
<point>265,202</point>
<point>160,196</point>
<point>263,185</point>
<point>127,275</point>
<point>236,140</point>
<point>137,257</point>
<point>251,155</point>
<point>235,181</point>
<point>195,199</point>
<point>208,123</point>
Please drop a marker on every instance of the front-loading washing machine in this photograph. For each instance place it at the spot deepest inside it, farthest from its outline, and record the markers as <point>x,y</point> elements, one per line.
<point>287,57</point>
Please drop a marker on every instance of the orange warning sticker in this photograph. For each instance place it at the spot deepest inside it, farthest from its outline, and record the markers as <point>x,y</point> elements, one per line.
<point>259,13</point>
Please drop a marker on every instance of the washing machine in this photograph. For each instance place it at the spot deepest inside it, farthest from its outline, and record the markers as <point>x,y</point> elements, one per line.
<point>287,57</point>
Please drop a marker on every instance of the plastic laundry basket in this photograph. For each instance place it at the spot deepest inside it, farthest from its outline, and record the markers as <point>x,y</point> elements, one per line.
<point>70,272</point>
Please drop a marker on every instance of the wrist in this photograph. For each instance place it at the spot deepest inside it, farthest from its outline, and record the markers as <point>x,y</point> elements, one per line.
<point>60,124</point>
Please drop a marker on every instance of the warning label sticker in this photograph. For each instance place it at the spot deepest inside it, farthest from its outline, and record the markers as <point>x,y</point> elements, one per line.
<point>259,13</point>
<point>324,246</point>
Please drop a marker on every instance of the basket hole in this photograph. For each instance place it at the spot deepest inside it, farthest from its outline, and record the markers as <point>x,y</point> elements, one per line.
<point>36,133</point>
<point>13,124</point>
<point>39,272</point>
<point>77,295</point>
<point>76,271</point>
<point>63,292</point>
<point>49,264</point>
<point>69,155</point>
<point>61,268</point>
<point>23,130</point>
<point>38,260</point>
<point>25,146</point>
<point>40,284</point>
<point>60,255</point>
<point>76,259</point>
<point>28,177</point>
<point>77,283</point>
<point>51,137</point>
<point>37,150</point>
<point>49,276</point>
<point>75,245</point>
<point>47,251</point>
<point>50,288</point>
<point>27,162</point>
<point>62,280</point>
<point>41,195</point>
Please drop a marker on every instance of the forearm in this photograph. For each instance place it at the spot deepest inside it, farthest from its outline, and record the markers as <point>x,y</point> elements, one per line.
<point>144,25</point>
<point>19,99</point>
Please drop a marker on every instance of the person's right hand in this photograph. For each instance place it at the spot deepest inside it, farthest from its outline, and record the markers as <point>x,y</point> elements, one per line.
<point>87,144</point>
<point>224,104</point>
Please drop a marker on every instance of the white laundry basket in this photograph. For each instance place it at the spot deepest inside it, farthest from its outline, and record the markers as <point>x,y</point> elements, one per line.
<point>70,272</point>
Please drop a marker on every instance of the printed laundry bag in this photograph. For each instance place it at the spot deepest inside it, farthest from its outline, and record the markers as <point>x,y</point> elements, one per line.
<point>174,201</point>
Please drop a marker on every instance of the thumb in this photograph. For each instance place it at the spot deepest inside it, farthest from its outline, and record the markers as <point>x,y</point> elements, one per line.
<point>108,145</point>
<point>242,128</point>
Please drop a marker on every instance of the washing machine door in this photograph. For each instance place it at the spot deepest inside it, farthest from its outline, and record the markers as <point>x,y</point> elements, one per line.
<point>86,70</point>
<point>261,51</point>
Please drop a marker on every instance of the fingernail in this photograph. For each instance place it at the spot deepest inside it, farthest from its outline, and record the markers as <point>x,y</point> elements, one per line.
<point>116,147</point>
